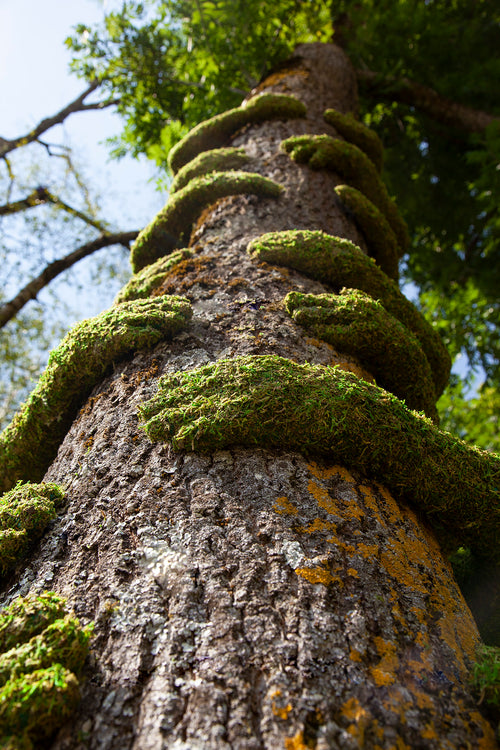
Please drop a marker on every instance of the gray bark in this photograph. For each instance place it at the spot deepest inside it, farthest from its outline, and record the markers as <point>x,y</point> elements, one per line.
<point>250,598</point>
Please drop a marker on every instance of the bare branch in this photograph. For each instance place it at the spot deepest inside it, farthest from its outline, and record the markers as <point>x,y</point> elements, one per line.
<point>30,291</point>
<point>426,100</point>
<point>42,196</point>
<point>77,105</point>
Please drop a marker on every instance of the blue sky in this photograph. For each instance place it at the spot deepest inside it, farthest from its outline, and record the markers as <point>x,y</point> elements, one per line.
<point>35,82</point>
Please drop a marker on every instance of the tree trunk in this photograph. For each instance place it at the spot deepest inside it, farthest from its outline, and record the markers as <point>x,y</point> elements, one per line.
<point>249,598</point>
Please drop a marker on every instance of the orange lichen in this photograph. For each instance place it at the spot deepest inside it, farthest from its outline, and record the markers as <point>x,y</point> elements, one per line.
<point>296,742</point>
<point>352,572</point>
<point>283,505</point>
<point>319,575</point>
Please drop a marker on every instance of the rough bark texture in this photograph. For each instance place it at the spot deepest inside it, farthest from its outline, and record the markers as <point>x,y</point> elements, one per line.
<point>249,598</point>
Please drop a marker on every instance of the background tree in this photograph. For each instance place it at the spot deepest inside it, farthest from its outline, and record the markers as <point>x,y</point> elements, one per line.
<point>49,220</point>
<point>427,74</point>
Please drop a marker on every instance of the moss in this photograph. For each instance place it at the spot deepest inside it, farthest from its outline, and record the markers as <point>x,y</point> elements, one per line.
<point>217,160</point>
<point>38,673</point>
<point>485,679</point>
<point>173,223</point>
<point>28,616</point>
<point>143,284</point>
<point>30,442</point>
<point>380,239</point>
<point>25,511</point>
<point>356,324</point>
<point>216,131</point>
<point>63,641</point>
<point>339,263</point>
<point>271,402</point>
<point>355,132</point>
<point>38,703</point>
<point>324,152</point>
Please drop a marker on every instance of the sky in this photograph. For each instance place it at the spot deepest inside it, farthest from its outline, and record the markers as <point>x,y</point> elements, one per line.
<point>35,82</point>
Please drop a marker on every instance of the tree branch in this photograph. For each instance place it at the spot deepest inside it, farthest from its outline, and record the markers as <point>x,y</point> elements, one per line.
<point>41,196</point>
<point>30,291</point>
<point>78,105</point>
<point>426,100</point>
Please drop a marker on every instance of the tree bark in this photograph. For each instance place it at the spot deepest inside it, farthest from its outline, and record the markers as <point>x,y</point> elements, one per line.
<point>250,598</point>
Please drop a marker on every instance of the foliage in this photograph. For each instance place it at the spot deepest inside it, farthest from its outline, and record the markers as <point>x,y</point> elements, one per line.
<point>485,678</point>
<point>271,402</point>
<point>179,62</point>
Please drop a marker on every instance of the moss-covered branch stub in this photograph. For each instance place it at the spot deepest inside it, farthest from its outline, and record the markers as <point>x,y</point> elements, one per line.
<point>338,263</point>
<point>271,402</point>
<point>216,131</point>
<point>173,223</point>
<point>355,132</point>
<point>30,442</point>
<point>380,239</point>
<point>216,160</point>
<point>43,652</point>
<point>143,284</point>
<point>355,323</point>
<point>25,512</point>
<point>352,164</point>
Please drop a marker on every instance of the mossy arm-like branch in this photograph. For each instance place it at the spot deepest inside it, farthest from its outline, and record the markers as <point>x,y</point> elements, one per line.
<point>355,132</point>
<point>324,152</point>
<point>355,323</point>
<point>30,442</point>
<point>217,130</point>
<point>380,239</point>
<point>46,650</point>
<point>143,284</point>
<point>271,402</point>
<point>339,263</point>
<point>25,511</point>
<point>216,160</point>
<point>174,221</point>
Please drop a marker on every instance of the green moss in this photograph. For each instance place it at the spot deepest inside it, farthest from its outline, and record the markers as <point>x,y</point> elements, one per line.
<point>38,703</point>
<point>63,642</point>
<point>355,132</point>
<point>347,160</point>
<point>38,673</point>
<point>25,511</point>
<point>217,160</point>
<point>216,131</point>
<point>143,284</point>
<point>28,616</point>
<point>173,223</point>
<point>354,323</point>
<point>339,263</point>
<point>271,402</point>
<point>485,679</point>
<point>380,239</point>
<point>30,442</point>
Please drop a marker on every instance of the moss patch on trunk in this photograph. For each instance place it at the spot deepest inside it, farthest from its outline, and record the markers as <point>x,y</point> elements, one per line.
<point>143,284</point>
<point>352,164</point>
<point>355,323</point>
<point>30,442</point>
<point>355,132</point>
<point>46,650</point>
<point>173,223</point>
<point>25,512</point>
<point>338,262</point>
<point>217,130</point>
<point>271,402</point>
<point>216,160</point>
<point>380,239</point>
